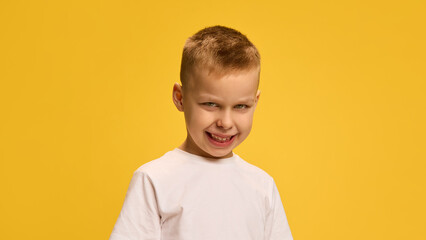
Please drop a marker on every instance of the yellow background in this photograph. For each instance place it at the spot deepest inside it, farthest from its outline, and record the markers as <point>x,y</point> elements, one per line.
<point>85,99</point>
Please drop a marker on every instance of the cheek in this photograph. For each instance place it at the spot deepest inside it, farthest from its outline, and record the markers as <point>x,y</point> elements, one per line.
<point>198,118</point>
<point>244,122</point>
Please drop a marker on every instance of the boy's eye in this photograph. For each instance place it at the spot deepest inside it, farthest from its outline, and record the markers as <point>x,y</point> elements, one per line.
<point>241,106</point>
<point>210,104</point>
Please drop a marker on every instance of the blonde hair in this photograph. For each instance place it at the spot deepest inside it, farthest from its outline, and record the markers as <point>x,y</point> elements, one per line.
<point>218,48</point>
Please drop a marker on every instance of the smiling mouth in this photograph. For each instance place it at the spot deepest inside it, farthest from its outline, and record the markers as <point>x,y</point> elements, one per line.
<point>220,139</point>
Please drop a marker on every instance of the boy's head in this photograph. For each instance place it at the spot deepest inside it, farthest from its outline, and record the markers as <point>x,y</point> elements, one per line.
<point>218,49</point>
<point>219,93</point>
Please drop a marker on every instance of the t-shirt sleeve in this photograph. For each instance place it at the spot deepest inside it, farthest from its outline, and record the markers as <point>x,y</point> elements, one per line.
<point>139,217</point>
<point>276,225</point>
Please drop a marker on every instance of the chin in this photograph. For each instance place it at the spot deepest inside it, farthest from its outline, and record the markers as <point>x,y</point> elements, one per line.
<point>219,154</point>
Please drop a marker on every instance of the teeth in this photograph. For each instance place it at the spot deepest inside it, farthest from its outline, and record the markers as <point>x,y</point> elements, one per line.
<point>220,138</point>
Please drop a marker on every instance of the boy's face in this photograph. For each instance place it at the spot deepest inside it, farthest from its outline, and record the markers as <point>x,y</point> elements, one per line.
<point>218,110</point>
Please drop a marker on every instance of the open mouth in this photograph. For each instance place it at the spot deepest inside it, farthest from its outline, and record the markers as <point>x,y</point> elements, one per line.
<point>220,139</point>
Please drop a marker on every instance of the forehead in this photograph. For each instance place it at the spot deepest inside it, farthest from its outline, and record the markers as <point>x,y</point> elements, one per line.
<point>224,84</point>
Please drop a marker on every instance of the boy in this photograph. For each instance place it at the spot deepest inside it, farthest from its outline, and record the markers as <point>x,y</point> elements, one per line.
<point>202,190</point>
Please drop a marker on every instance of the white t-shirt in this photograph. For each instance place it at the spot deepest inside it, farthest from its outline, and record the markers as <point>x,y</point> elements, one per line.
<point>182,196</point>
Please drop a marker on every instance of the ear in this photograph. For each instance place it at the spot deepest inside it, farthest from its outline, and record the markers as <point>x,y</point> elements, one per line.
<point>178,96</point>
<point>257,96</point>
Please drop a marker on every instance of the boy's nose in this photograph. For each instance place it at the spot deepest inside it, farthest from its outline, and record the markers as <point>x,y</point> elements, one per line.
<point>225,121</point>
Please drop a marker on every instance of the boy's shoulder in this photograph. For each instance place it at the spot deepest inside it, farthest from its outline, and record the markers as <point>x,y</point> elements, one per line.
<point>160,165</point>
<point>254,170</point>
<point>177,162</point>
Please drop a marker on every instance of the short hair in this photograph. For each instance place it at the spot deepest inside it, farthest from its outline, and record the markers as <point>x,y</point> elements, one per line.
<point>218,48</point>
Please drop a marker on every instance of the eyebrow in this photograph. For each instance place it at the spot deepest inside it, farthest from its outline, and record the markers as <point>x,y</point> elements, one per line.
<point>248,99</point>
<point>214,98</point>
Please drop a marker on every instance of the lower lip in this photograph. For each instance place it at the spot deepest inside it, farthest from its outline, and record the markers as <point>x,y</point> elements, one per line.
<point>220,144</point>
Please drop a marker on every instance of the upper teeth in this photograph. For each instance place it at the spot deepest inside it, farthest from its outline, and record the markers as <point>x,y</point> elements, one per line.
<point>220,138</point>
